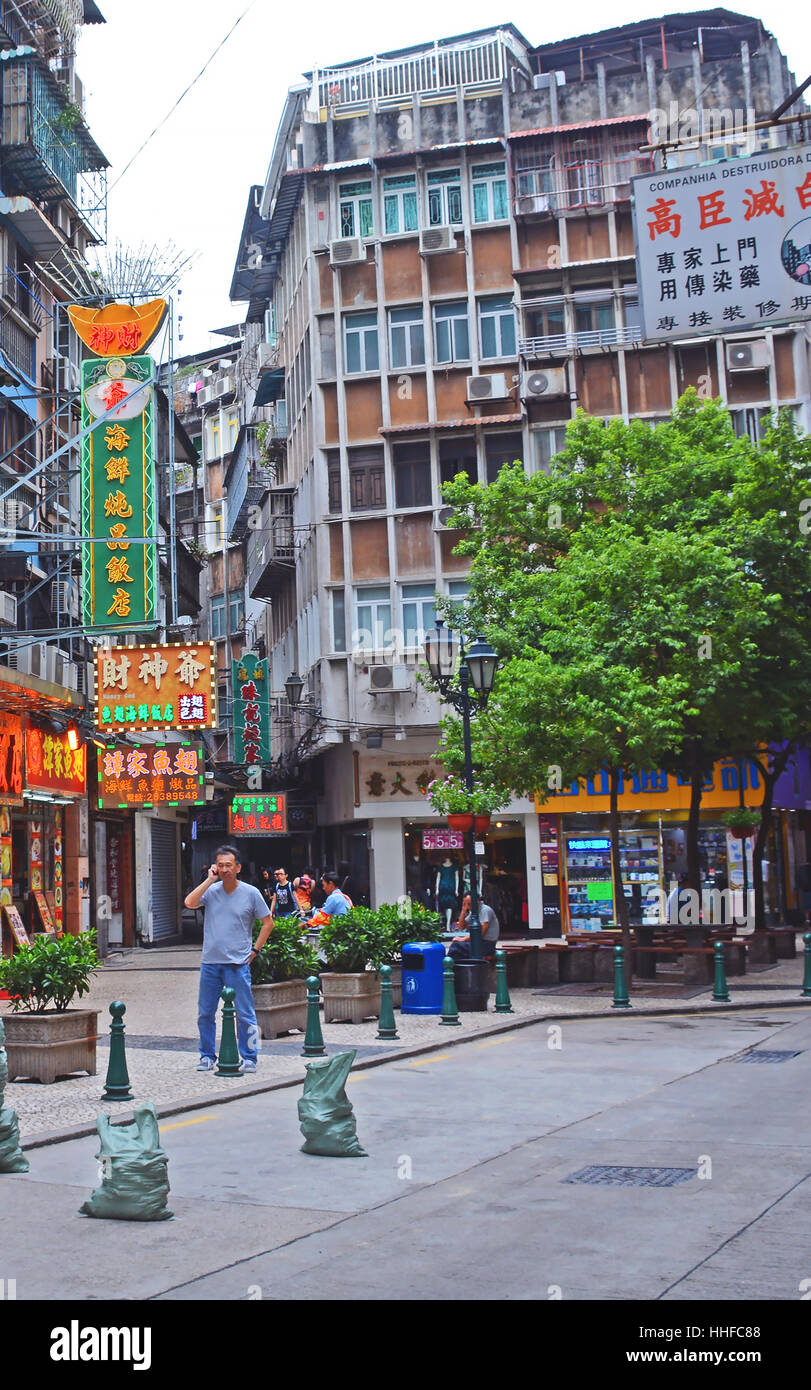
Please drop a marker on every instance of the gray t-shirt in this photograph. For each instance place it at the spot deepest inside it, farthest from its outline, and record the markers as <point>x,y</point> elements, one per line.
<point>229,919</point>
<point>489,921</point>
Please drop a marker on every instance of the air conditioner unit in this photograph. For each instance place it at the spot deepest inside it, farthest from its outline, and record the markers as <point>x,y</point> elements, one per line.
<point>389,680</point>
<point>65,598</point>
<point>542,80</point>
<point>550,382</point>
<point>348,251</point>
<point>435,239</point>
<point>205,395</point>
<point>8,610</point>
<point>441,518</point>
<point>267,355</point>
<point>31,659</point>
<point>748,357</point>
<point>534,202</point>
<point>488,388</point>
<point>54,667</point>
<point>70,675</point>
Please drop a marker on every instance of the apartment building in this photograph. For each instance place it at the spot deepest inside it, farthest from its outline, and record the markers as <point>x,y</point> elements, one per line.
<point>439,270</point>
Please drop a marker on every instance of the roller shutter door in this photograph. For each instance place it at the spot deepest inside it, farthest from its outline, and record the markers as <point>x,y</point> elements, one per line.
<point>164,880</point>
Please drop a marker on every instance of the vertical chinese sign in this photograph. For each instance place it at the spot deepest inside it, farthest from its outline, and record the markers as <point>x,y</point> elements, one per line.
<point>251,710</point>
<point>119,569</point>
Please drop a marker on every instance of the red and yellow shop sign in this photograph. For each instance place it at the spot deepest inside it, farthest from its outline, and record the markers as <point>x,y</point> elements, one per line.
<point>51,765</point>
<point>11,759</point>
<point>657,791</point>
<point>153,774</point>
<point>118,330</point>
<point>158,686</point>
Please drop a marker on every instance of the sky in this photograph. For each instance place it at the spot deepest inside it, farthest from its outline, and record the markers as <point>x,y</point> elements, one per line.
<point>190,185</point>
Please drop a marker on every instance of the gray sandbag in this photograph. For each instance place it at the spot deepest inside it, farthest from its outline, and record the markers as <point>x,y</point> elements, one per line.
<point>135,1171</point>
<point>325,1114</point>
<point>12,1158</point>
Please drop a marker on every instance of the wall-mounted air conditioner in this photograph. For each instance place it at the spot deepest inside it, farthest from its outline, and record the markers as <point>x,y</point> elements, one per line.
<point>389,680</point>
<point>8,610</point>
<point>267,355</point>
<point>441,518</point>
<point>65,598</point>
<point>542,80</point>
<point>550,382</point>
<point>204,395</point>
<point>70,675</point>
<point>435,239</point>
<point>348,251</point>
<point>495,387</point>
<point>748,357</point>
<point>534,202</point>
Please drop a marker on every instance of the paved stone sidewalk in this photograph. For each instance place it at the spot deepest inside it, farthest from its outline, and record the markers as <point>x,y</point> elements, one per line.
<point>160,991</point>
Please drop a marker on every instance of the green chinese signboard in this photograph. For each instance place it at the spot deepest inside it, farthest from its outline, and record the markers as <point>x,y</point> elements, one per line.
<point>251,704</point>
<point>119,575</point>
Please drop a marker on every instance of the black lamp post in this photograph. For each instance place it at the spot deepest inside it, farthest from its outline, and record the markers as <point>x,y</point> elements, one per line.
<point>477,669</point>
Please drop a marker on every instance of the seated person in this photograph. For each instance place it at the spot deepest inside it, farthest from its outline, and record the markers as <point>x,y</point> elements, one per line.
<point>460,946</point>
<point>336,903</point>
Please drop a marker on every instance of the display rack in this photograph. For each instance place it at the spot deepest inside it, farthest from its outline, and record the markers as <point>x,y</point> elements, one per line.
<point>589,882</point>
<point>641,869</point>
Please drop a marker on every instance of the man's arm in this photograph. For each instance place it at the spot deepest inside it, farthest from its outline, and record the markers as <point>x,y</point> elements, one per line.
<point>265,928</point>
<point>194,898</point>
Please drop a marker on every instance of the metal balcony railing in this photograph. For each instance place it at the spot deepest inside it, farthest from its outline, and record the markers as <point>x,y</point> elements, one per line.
<point>571,342</point>
<point>248,479</point>
<point>438,69</point>
<point>19,346</point>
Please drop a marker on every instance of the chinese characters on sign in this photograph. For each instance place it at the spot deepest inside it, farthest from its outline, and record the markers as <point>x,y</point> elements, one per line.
<point>251,709</point>
<point>169,686</point>
<point>258,815</point>
<point>725,246</point>
<point>51,765</point>
<point>11,759</point>
<point>119,570</point>
<point>384,779</point>
<point>151,774</point>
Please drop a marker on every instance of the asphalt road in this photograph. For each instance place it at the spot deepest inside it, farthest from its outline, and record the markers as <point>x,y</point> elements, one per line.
<point>471,1156</point>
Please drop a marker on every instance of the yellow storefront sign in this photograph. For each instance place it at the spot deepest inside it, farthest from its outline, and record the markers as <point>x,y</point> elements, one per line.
<point>656,791</point>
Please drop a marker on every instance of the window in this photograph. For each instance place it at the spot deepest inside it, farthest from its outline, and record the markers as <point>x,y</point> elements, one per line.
<point>419,613</point>
<point>547,443</point>
<point>231,431</point>
<point>236,612</point>
<point>457,456</point>
<point>548,321</point>
<point>497,327</point>
<point>407,337</point>
<point>214,531</point>
<point>451,337</point>
<point>213,436</point>
<point>751,421</point>
<point>400,203</point>
<point>500,449</point>
<point>584,177</point>
<point>536,181</point>
<point>597,317</point>
<point>489,184</point>
<point>338,621</point>
<point>633,318</point>
<point>355,206</point>
<point>373,629</point>
<point>367,479</point>
<point>444,197</point>
<point>412,475</point>
<point>334,479</point>
<point>360,343</point>
<point>218,617</point>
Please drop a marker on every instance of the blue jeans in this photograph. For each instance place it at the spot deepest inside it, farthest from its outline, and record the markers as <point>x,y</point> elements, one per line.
<point>213,980</point>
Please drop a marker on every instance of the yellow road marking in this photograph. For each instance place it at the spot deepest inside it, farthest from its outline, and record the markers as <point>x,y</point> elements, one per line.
<point>435,1057</point>
<point>495,1042</point>
<point>358,1078</point>
<point>181,1124</point>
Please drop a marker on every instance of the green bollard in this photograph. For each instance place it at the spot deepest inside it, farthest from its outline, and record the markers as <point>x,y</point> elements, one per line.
<point>720,993</point>
<point>117,1083</point>
<point>807,971</point>
<point>503,1005</point>
<point>228,1063</point>
<point>621,1000</point>
<point>386,1026</point>
<point>450,1013</point>
<point>313,1037</point>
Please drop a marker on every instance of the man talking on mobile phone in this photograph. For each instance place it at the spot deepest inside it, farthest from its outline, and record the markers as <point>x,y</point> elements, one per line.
<point>230,909</point>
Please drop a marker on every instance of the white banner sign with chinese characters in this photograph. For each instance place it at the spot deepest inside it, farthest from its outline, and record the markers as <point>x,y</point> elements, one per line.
<point>726,246</point>
<point>384,779</point>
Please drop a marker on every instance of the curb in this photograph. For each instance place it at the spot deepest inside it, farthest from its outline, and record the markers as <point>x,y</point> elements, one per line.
<point>87,1130</point>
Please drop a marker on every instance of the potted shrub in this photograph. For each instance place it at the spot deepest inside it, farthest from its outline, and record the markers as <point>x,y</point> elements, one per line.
<point>465,810</point>
<point>402,922</point>
<point>278,975</point>
<point>353,945</point>
<point>45,1037</point>
<point>741,822</point>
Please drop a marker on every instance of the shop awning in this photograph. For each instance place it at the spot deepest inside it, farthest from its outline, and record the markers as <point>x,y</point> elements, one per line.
<point>271,386</point>
<point>24,694</point>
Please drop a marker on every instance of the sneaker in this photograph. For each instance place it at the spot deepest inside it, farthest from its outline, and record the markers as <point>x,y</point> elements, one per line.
<point>205,1064</point>
<point>247,1066</point>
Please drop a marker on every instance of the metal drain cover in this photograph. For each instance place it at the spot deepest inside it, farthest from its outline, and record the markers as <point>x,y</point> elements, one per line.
<point>763,1055</point>
<point>610,1175</point>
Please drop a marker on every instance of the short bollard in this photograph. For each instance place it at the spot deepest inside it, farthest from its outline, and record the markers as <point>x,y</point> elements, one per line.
<point>228,1059</point>
<point>807,970</point>
<point>720,993</point>
<point>503,1005</point>
<point>450,1013</point>
<point>117,1084</point>
<point>621,1000</point>
<point>313,1037</point>
<point>386,1027</point>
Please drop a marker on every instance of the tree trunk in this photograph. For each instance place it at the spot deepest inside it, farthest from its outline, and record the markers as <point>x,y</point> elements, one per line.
<point>774,767</point>
<point>620,901</point>
<point>693,817</point>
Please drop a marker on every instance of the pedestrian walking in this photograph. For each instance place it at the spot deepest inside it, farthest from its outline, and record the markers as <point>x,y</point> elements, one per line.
<point>230,908</point>
<point>283,902</point>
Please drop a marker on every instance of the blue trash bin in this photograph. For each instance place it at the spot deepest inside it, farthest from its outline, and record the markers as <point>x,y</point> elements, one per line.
<point>423,963</point>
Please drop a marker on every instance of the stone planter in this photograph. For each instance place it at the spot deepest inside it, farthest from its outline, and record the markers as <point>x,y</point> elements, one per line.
<point>280,1007</point>
<point>350,998</point>
<point>577,965</point>
<point>44,1046</point>
<point>762,948</point>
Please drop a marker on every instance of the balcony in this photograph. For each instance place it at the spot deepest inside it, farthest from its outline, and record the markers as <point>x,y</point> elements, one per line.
<point>272,549</point>
<point>18,345</point>
<point>248,478</point>
<point>47,150</point>
<point>575,342</point>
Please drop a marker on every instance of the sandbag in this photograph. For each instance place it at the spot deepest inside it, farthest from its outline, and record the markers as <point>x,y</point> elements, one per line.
<point>12,1158</point>
<point>134,1168</point>
<point>325,1114</point>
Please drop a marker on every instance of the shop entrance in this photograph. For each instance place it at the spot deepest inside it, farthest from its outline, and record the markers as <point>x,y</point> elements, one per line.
<point>438,873</point>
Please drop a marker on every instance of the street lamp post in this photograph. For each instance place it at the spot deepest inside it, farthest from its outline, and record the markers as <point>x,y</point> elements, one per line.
<point>477,671</point>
